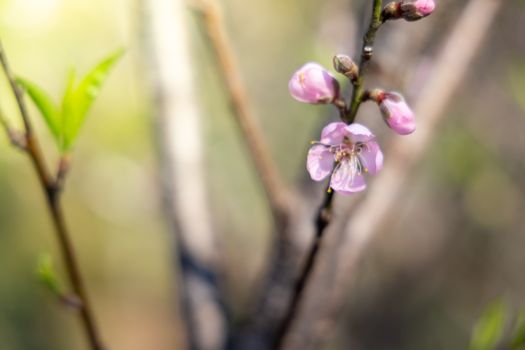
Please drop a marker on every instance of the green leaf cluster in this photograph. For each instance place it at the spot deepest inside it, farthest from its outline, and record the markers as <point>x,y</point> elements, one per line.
<point>65,121</point>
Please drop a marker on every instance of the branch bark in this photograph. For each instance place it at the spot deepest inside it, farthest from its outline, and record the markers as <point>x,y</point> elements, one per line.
<point>279,196</point>
<point>179,130</point>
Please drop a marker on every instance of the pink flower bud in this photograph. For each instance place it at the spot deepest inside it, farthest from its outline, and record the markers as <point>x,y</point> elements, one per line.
<point>396,112</point>
<point>425,7</point>
<point>313,84</point>
<point>414,10</point>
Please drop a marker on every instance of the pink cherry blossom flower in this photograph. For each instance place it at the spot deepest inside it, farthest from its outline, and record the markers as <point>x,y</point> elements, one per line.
<point>313,84</point>
<point>396,112</point>
<point>346,152</point>
<point>414,10</point>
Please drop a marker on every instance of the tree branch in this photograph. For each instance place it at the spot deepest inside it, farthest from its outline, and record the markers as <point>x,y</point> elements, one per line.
<point>324,214</point>
<point>178,123</point>
<point>49,185</point>
<point>366,55</point>
<point>16,138</point>
<point>278,195</point>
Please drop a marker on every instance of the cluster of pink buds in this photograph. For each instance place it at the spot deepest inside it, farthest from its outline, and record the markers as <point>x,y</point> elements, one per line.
<point>348,150</point>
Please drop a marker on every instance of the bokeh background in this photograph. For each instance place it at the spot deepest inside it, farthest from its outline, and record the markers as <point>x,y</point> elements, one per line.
<point>457,241</point>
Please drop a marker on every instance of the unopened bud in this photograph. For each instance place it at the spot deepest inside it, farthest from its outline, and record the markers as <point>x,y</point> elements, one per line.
<point>346,66</point>
<point>396,112</point>
<point>416,9</point>
<point>313,84</point>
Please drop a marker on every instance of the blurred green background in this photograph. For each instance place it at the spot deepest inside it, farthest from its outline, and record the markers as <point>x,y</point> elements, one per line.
<point>457,242</point>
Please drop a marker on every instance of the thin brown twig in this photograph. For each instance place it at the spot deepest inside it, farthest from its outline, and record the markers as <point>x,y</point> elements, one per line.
<point>366,55</point>
<point>16,138</point>
<point>324,213</point>
<point>278,195</point>
<point>52,192</point>
<point>322,221</point>
<point>63,166</point>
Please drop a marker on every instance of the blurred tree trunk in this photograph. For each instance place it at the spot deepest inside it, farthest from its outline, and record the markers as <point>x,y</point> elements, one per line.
<point>179,132</point>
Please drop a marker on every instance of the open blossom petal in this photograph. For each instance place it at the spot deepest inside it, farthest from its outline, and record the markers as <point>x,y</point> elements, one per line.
<point>345,152</point>
<point>346,179</point>
<point>372,158</point>
<point>334,133</point>
<point>320,162</point>
<point>359,133</point>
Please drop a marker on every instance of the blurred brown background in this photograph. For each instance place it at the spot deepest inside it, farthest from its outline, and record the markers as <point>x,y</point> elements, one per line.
<point>456,242</point>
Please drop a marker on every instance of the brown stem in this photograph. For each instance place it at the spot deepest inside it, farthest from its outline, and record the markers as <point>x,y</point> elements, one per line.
<point>325,211</point>
<point>16,138</point>
<point>323,220</point>
<point>366,55</point>
<point>49,185</point>
<point>277,193</point>
<point>62,171</point>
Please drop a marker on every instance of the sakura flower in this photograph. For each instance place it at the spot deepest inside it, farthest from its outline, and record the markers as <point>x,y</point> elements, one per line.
<point>396,112</point>
<point>313,84</point>
<point>346,152</point>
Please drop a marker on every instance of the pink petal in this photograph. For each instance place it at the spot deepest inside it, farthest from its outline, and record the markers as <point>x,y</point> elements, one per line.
<point>346,180</point>
<point>359,133</point>
<point>320,162</point>
<point>334,133</point>
<point>372,157</point>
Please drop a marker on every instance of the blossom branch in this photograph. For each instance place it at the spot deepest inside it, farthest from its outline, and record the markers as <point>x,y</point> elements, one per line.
<point>278,195</point>
<point>52,192</point>
<point>324,214</point>
<point>370,214</point>
<point>367,51</point>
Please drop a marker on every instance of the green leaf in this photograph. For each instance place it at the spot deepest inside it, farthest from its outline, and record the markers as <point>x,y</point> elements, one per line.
<point>489,328</point>
<point>518,336</point>
<point>79,102</point>
<point>67,107</point>
<point>45,105</point>
<point>46,273</point>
